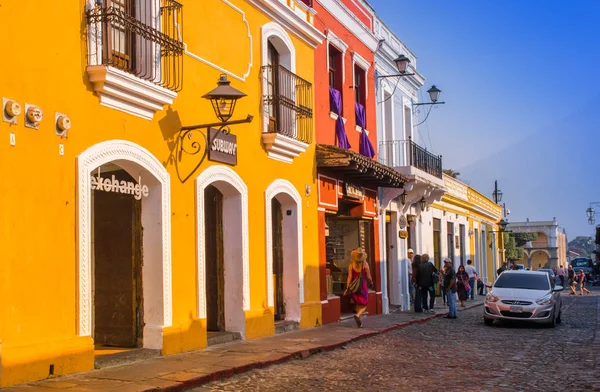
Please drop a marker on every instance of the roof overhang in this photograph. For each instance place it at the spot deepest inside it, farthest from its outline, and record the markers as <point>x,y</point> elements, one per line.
<point>357,168</point>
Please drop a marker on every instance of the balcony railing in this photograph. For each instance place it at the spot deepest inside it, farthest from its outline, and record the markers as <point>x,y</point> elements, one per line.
<point>399,153</point>
<point>289,99</point>
<point>139,38</point>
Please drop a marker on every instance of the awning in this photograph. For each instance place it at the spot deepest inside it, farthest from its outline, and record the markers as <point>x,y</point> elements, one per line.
<point>357,168</point>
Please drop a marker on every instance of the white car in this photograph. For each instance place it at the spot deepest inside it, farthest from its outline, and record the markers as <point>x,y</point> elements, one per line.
<point>523,296</point>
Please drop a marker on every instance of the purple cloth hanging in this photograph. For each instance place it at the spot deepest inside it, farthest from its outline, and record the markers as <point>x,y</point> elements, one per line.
<point>335,102</point>
<point>365,148</point>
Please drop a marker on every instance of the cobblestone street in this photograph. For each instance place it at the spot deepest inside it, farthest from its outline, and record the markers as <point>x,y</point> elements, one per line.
<point>443,354</point>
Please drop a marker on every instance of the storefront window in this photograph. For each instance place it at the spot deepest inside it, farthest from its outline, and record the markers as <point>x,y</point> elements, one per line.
<point>345,235</point>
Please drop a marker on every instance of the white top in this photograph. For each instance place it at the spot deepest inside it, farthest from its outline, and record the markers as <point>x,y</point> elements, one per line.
<point>470,271</point>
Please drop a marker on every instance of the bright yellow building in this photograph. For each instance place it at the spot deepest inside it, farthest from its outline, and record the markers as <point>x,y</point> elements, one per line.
<point>465,228</point>
<point>118,231</point>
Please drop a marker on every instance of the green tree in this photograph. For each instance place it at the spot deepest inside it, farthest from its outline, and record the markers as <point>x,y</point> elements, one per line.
<point>451,173</point>
<point>522,238</point>
<point>512,252</point>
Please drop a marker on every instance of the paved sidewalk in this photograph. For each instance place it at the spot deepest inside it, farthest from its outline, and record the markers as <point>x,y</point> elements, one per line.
<point>182,371</point>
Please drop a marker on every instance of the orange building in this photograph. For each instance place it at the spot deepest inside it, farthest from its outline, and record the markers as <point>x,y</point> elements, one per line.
<point>347,170</point>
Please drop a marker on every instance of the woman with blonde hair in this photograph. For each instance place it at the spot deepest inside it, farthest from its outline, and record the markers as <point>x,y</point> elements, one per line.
<point>358,277</point>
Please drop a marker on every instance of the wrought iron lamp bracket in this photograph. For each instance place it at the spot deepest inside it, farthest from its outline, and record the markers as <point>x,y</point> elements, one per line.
<point>188,143</point>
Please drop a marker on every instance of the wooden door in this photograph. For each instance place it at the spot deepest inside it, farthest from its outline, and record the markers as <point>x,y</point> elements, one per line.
<point>215,272</point>
<point>388,250</point>
<point>118,300</point>
<point>277,233</point>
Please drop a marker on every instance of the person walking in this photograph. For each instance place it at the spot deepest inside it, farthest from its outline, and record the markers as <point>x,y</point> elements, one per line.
<point>472,272</point>
<point>426,283</point>
<point>416,267</point>
<point>359,269</point>
<point>450,287</point>
<point>442,287</point>
<point>411,289</point>
<point>462,283</point>
<point>501,269</point>
<point>571,280</point>
<point>561,275</point>
<point>581,279</point>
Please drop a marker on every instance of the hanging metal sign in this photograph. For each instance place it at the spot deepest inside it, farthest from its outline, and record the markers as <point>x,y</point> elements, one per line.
<point>223,147</point>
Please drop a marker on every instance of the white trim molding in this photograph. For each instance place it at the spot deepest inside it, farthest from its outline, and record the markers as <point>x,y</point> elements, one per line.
<point>130,157</point>
<point>121,90</point>
<point>293,250</point>
<point>282,148</point>
<point>278,147</point>
<point>361,61</point>
<point>284,14</point>
<point>128,93</point>
<point>343,15</point>
<point>243,77</point>
<point>235,218</point>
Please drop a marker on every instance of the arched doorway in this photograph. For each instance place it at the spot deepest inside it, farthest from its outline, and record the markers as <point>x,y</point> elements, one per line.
<point>215,269</point>
<point>124,263</point>
<point>118,299</point>
<point>223,273</point>
<point>285,283</point>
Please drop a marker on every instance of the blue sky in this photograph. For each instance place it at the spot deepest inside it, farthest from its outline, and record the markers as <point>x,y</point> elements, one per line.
<point>521,82</point>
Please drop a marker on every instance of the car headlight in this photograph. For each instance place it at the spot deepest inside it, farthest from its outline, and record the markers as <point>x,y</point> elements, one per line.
<point>545,300</point>
<point>491,297</point>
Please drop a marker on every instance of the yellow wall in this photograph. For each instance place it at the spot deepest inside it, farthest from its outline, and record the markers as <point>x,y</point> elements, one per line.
<point>45,65</point>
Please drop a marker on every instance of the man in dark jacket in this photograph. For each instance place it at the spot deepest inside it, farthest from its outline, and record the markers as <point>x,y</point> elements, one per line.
<point>426,283</point>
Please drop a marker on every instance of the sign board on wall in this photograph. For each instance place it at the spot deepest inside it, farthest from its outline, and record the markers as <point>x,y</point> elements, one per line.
<point>353,191</point>
<point>222,147</point>
<point>403,234</point>
<point>402,221</point>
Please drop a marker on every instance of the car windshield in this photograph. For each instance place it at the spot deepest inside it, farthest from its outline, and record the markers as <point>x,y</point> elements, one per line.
<point>527,281</point>
<point>585,263</point>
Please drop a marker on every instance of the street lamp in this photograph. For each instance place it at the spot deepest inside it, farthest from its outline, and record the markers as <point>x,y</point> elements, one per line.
<point>223,99</point>
<point>591,212</point>
<point>497,193</point>
<point>403,197</point>
<point>423,203</point>
<point>402,63</point>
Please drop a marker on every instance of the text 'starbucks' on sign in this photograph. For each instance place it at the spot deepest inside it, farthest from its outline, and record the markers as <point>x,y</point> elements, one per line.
<point>114,185</point>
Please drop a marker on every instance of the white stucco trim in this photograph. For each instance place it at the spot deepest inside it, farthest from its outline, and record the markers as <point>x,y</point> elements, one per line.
<point>217,175</point>
<point>125,152</point>
<point>284,14</point>
<point>361,61</point>
<point>243,77</point>
<point>121,90</point>
<point>294,254</point>
<point>337,42</point>
<point>340,45</point>
<point>351,22</point>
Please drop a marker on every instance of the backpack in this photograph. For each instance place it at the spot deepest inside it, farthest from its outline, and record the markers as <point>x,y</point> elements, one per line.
<point>436,278</point>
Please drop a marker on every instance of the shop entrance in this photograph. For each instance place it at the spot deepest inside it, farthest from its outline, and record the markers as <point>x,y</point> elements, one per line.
<point>346,233</point>
<point>118,297</point>
<point>215,270</point>
<point>277,233</point>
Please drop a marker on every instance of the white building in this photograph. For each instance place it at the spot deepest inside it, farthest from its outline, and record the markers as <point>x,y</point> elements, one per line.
<point>401,209</point>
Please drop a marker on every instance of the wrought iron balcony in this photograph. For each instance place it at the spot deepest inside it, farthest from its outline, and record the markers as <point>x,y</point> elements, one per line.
<point>139,38</point>
<point>398,153</point>
<point>289,100</point>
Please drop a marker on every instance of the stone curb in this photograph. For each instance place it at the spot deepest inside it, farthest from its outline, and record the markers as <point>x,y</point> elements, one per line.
<point>303,354</point>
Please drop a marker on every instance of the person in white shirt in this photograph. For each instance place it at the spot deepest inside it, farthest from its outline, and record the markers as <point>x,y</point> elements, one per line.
<point>472,277</point>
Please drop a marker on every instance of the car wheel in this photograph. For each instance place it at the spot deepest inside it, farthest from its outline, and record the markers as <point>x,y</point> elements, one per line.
<point>488,322</point>
<point>552,322</point>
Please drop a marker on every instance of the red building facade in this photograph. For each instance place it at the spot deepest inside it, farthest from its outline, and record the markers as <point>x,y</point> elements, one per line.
<point>347,168</point>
